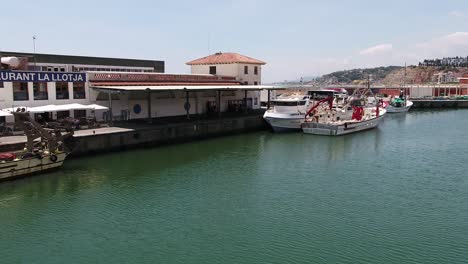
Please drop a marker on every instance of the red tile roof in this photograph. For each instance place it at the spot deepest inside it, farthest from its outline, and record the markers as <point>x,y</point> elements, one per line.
<point>164,83</point>
<point>225,58</point>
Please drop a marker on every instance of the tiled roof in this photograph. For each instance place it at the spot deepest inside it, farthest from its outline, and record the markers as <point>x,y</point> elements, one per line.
<point>225,58</point>
<point>164,83</point>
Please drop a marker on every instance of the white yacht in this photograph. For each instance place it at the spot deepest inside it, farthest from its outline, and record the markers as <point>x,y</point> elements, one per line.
<point>287,113</point>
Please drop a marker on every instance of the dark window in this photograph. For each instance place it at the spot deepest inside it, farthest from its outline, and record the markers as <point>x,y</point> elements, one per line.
<point>79,90</point>
<point>283,103</point>
<point>255,83</point>
<point>40,91</point>
<point>20,91</point>
<point>1,84</point>
<point>256,70</point>
<point>63,114</point>
<point>212,69</point>
<point>79,114</point>
<point>246,69</point>
<point>61,89</point>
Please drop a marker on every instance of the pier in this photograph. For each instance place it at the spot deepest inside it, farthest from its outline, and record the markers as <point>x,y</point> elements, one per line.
<point>439,103</point>
<point>161,131</point>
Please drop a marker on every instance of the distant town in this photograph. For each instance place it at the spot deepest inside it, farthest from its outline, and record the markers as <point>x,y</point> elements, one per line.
<point>430,71</point>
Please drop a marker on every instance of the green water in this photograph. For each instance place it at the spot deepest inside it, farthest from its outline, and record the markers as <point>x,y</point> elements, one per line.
<point>397,194</point>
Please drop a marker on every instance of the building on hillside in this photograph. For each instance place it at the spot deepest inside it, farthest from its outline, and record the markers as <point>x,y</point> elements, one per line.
<point>464,81</point>
<point>444,77</point>
<point>131,89</point>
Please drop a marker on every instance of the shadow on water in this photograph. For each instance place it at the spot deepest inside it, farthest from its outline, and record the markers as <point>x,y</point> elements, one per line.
<point>129,167</point>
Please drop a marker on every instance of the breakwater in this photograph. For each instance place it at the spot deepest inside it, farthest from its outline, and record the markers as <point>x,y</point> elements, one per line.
<point>434,103</point>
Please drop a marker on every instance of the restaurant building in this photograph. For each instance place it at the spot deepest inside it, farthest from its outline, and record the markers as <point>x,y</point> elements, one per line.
<point>127,88</point>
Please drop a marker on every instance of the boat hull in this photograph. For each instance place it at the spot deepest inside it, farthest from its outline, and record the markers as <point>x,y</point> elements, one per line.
<point>393,109</point>
<point>284,123</point>
<point>341,129</point>
<point>24,167</point>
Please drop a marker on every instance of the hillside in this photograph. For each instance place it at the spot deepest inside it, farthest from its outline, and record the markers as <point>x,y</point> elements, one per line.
<point>356,75</point>
<point>392,75</point>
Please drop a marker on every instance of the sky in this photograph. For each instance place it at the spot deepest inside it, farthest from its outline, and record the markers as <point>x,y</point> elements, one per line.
<point>296,38</point>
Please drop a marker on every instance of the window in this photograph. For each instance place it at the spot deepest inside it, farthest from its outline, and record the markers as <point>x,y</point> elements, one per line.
<point>40,91</point>
<point>61,89</point>
<point>1,84</point>
<point>79,90</point>
<point>62,114</point>
<point>212,69</point>
<point>246,69</point>
<point>255,83</point>
<point>79,114</point>
<point>256,70</point>
<point>20,91</point>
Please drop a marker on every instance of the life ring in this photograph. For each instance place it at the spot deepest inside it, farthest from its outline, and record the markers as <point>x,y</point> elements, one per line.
<point>53,158</point>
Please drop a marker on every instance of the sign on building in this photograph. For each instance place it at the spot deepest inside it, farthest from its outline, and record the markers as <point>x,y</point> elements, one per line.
<point>34,76</point>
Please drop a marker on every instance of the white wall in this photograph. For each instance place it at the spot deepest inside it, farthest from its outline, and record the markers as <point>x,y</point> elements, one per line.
<point>233,70</point>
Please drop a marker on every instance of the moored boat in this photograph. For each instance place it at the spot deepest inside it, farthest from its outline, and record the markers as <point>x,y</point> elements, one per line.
<point>360,113</point>
<point>399,105</point>
<point>287,113</point>
<point>45,149</point>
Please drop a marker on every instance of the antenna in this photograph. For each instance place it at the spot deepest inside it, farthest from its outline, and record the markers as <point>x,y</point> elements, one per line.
<point>209,43</point>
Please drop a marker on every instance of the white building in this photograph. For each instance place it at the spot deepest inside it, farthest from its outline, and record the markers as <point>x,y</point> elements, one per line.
<point>248,71</point>
<point>132,89</point>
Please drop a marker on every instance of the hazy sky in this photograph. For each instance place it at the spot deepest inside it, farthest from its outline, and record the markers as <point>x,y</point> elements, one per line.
<point>295,38</point>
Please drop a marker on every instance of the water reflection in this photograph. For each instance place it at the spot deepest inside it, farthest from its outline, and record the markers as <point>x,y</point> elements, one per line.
<point>123,169</point>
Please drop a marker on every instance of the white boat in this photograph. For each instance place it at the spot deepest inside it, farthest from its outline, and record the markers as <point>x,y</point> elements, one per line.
<point>45,149</point>
<point>358,114</point>
<point>399,106</point>
<point>287,113</point>
<point>342,127</point>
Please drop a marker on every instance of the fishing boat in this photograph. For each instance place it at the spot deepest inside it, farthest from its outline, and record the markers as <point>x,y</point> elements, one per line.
<point>287,113</point>
<point>399,105</point>
<point>361,112</point>
<point>45,149</point>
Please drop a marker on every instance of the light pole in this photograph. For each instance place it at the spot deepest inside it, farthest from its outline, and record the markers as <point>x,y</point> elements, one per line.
<point>34,49</point>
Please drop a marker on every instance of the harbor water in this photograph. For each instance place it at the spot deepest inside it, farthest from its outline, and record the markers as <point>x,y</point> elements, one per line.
<point>395,194</point>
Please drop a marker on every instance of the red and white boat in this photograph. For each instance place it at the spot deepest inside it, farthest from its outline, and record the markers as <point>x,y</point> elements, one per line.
<point>361,112</point>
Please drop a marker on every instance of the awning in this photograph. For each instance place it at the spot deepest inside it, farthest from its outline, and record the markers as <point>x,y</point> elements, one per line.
<point>187,88</point>
<point>65,107</point>
<point>4,113</point>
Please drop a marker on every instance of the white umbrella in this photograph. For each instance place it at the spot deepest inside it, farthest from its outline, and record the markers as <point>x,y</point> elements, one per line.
<point>4,113</point>
<point>74,106</point>
<point>43,109</point>
<point>98,107</point>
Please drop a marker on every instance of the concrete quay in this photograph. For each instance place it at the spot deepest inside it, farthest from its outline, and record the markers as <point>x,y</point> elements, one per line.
<point>435,103</point>
<point>162,131</point>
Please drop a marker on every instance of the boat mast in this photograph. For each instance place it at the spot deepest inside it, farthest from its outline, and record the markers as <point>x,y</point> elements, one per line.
<point>404,87</point>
